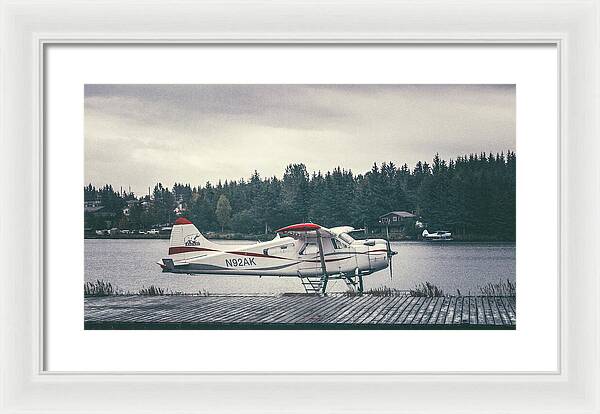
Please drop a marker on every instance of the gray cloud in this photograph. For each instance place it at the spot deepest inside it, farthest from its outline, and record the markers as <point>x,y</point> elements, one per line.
<point>136,135</point>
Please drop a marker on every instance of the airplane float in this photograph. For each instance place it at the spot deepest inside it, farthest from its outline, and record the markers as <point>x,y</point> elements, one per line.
<point>313,253</point>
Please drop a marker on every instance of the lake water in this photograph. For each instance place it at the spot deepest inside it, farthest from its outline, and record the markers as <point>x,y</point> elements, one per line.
<point>131,265</point>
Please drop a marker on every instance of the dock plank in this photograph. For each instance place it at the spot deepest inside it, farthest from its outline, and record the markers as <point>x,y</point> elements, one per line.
<point>425,310</point>
<point>441,318</point>
<point>390,306</point>
<point>503,311</point>
<point>472,310</point>
<point>396,310</point>
<point>377,311</point>
<point>487,310</point>
<point>480,311</point>
<point>451,309</point>
<point>494,309</point>
<point>458,310</point>
<point>348,311</point>
<point>509,310</point>
<point>304,311</point>
<point>414,310</point>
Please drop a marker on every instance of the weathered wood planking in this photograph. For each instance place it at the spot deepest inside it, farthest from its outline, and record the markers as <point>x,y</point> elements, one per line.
<point>299,312</point>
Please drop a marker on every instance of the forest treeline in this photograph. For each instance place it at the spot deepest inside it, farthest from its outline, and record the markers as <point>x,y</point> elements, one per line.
<point>473,196</point>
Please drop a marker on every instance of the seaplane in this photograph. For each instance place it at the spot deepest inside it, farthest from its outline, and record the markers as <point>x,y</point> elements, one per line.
<point>311,252</point>
<point>441,235</point>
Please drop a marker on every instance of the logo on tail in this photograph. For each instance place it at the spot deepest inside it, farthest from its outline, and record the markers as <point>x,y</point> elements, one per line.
<point>193,240</point>
<point>186,238</point>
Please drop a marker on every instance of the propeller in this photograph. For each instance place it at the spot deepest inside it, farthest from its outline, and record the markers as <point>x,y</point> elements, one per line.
<point>390,255</point>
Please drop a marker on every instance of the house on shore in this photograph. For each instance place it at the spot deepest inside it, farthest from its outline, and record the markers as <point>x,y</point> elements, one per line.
<point>398,222</point>
<point>92,206</point>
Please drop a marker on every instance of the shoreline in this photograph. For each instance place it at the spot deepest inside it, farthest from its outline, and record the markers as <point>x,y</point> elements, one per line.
<point>270,237</point>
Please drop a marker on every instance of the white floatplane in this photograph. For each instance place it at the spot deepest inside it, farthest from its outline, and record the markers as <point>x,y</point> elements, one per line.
<point>313,253</point>
<point>440,235</point>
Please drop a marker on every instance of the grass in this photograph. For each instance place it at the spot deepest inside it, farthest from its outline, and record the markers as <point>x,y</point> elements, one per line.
<point>151,291</point>
<point>158,291</point>
<point>428,290</point>
<point>98,288</point>
<point>504,288</point>
<point>102,288</point>
<point>380,291</point>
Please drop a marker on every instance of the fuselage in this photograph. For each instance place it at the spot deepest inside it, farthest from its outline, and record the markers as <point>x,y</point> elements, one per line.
<point>282,256</point>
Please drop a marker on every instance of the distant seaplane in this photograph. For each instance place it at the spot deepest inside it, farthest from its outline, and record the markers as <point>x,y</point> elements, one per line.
<point>440,235</point>
<point>313,253</point>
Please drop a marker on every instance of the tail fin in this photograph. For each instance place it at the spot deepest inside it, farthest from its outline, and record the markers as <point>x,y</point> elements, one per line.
<point>186,238</point>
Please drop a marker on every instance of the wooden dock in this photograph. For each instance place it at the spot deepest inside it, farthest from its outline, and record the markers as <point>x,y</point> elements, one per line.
<point>299,312</point>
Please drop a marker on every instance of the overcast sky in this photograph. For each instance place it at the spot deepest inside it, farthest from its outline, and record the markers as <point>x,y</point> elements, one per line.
<point>138,135</point>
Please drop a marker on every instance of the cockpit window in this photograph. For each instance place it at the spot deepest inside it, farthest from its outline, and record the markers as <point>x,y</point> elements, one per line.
<point>338,244</point>
<point>347,238</point>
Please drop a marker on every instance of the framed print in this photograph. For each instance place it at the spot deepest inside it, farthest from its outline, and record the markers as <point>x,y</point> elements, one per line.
<point>221,278</point>
<point>246,204</point>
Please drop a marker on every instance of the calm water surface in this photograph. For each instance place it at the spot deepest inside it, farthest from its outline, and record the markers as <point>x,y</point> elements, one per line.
<point>131,265</point>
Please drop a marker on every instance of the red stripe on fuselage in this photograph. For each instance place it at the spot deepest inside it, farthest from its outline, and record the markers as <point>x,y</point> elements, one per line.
<point>327,260</point>
<point>251,254</point>
<point>188,249</point>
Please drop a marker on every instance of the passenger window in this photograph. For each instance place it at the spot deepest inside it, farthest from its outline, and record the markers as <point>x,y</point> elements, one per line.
<point>277,250</point>
<point>310,248</point>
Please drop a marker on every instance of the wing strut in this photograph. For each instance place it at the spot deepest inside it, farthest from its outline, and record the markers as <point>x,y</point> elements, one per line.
<point>325,276</point>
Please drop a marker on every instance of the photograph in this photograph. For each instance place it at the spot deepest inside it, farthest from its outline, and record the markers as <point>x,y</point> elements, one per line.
<point>244,189</point>
<point>299,206</point>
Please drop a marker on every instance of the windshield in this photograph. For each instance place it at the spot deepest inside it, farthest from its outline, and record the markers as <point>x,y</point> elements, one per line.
<point>346,237</point>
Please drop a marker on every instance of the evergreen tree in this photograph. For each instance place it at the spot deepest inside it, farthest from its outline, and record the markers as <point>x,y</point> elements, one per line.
<point>223,211</point>
<point>474,196</point>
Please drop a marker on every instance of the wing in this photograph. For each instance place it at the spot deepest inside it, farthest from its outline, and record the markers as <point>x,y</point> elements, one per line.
<point>303,231</point>
<point>302,227</point>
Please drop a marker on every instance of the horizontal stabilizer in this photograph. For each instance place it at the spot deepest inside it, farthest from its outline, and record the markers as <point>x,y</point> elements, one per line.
<point>168,264</point>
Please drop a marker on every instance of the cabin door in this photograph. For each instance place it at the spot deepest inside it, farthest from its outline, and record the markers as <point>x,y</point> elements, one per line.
<point>310,264</point>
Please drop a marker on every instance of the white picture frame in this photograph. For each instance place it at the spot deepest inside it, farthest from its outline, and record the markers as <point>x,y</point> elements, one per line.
<point>27,27</point>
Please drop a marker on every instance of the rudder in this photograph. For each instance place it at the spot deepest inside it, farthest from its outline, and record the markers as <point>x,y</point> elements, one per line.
<point>186,238</point>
